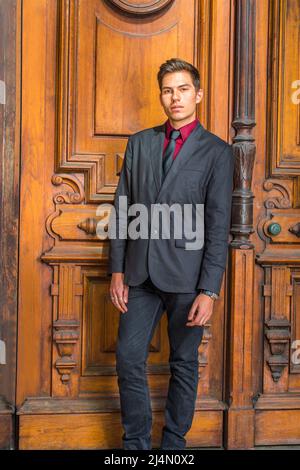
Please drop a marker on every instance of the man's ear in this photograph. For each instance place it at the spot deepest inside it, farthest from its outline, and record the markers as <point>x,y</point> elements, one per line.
<point>199,95</point>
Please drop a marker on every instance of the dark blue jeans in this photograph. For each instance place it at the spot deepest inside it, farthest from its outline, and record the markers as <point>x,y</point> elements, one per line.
<point>146,304</point>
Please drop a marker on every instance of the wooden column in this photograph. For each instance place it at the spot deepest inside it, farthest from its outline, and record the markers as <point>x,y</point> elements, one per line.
<point>239,417</point>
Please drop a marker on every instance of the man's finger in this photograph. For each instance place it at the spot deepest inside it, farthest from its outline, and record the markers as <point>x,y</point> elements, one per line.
<point>116,301</point>
<point>192,311</point>
<point>125,293</point>
<point>122,303</point>
<point>117,304</point>
<point>198,318</point>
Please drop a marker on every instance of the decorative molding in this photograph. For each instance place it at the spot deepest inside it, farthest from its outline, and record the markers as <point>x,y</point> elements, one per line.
<point>283,202</point>
<point>278,335</point>
<point>295,229</point>
<point>88,225</point>
<point>277,292</point>
<point>66,291</point>
<point>284,401</point>
<point>101,404</point>
<point>296,187</point>
<point>140,8</point>
<point>65,336</point>
<point>79,217</point>
<point>68,197</point>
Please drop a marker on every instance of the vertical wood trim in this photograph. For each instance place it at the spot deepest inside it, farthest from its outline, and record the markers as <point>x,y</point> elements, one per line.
<point>239,418</point>
<point>38,77</point>
<point>10,32</point>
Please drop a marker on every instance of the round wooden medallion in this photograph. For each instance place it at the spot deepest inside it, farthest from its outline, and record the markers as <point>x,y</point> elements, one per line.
<point>143,7</point>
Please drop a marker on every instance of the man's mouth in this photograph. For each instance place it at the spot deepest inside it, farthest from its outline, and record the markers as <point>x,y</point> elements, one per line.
<point>178,108</point>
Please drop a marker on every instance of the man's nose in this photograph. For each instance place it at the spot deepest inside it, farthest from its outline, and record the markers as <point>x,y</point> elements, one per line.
<point>175,96</point>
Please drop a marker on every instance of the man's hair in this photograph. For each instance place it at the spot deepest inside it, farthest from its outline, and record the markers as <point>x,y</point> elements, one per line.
<point>177,65</point>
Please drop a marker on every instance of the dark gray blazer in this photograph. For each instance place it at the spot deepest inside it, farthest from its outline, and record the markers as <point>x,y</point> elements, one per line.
<point>202,173</point>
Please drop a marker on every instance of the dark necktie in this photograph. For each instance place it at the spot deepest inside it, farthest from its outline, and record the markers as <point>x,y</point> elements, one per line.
<point>168,156</point>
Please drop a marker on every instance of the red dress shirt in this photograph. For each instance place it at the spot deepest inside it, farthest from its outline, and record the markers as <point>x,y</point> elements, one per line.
<point>184,133</point>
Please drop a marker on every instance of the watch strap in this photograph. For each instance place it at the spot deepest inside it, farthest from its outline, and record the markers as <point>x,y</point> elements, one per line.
<point>211,294</point>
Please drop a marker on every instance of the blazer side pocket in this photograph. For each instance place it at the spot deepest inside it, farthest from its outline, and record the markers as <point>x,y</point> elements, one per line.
<point>181,243</point>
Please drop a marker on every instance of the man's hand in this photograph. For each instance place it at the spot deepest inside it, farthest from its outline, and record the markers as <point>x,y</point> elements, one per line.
<point>119,291</point>
<point>201,310</point>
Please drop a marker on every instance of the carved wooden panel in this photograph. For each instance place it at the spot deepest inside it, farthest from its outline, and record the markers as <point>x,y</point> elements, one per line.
<point>100,328</point>
<point>284,88</point>
<point>294,364</point>
<point>103,96</point>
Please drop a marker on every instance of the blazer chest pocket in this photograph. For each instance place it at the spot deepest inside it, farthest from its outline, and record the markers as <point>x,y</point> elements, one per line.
<point>192,178</point>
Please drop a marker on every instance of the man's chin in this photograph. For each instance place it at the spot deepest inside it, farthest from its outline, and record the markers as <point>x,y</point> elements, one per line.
<point>177,117</point>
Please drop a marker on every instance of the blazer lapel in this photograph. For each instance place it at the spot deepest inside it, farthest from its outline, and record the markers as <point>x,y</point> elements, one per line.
<point>184,156</point>
<point>181,159</point>
<point>156,150</point>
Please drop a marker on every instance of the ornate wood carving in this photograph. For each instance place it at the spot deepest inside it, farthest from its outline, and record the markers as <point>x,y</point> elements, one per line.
<point>67,292</point>
<point>277,293</point>
<point>295,229</point>
<point>73,221</point>
<point>140,8</point>
<point>67,197</point>
<point>283,202</point>
<point>65,335</point>
<point>277,333</point>
<point>277,228</point>
<point>243,122</point>
<point>294,366</point>
<point>88,225</point>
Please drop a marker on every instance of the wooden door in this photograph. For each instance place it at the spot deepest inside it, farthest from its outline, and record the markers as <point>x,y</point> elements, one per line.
<point>263,324</point>
<point>88,82</point>
<point>277,403</point>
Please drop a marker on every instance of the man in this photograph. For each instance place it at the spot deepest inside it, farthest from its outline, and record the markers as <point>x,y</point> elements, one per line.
<point>177,162</point>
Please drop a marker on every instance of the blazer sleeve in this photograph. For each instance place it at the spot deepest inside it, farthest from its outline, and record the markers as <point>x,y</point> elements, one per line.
<point>117,246</point>
<point>217,219</point>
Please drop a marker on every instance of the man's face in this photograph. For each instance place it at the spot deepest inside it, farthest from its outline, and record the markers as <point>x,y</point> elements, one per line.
<point>179,97</point>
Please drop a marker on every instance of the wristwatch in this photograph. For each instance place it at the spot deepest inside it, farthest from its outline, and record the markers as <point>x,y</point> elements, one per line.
<point>209,293</point>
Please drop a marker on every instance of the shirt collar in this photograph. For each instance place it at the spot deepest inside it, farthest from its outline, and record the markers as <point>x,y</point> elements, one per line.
<point>184,130</point>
